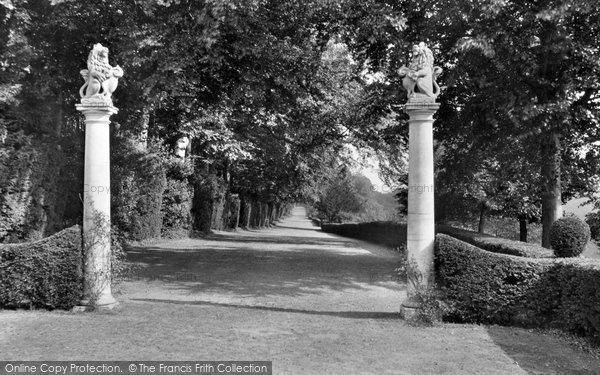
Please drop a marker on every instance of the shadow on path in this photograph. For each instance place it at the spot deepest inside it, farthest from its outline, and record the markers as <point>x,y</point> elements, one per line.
<point>248,272</point>
<point>292,266</point>
<point>340,314</point>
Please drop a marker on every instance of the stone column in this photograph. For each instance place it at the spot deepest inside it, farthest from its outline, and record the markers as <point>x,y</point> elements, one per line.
<point>419,80</point>
<point>96,205</point>
<point>101,80</point>
<point>421,224</point>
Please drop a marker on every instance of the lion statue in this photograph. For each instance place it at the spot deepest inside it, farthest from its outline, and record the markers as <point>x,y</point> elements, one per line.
<point>182,147</point>
<point>100,78</point>
<point>419,78</point>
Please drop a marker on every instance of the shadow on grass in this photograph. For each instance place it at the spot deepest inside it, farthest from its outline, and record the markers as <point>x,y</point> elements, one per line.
<point>542,353</point>
<point>341,314</point>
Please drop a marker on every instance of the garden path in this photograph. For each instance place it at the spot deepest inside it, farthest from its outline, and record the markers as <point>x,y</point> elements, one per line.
<point>311,302</point>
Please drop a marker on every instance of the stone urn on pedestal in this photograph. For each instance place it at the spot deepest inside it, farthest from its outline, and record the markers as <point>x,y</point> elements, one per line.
<point>419,80</point>
<point>101,80</point>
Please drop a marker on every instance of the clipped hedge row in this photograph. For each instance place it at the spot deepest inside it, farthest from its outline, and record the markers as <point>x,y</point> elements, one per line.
<point>45,273</point>
<point>382,232</point>
<point>394,234</point>
<point>497,244</point>
<point>485,287</point>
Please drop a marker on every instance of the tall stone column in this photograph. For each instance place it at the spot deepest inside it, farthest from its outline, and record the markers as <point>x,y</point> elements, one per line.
<point>96,205</point>
<point>421,223</point>
<point>419,81</point>
<point>96,105</point>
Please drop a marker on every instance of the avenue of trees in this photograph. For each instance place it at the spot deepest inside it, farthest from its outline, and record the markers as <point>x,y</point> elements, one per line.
<point>270,93</point>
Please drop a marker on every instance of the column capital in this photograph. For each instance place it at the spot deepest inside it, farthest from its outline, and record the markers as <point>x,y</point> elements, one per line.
<point>98,108</point>
<point>416,106</point>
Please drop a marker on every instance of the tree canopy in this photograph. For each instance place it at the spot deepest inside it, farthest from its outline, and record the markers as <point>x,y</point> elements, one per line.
<point>271,92</point>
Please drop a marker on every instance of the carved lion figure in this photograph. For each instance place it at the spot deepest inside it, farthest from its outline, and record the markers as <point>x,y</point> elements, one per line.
<point>100,78</point>
<point>419,78</point>
<point>181,148</point>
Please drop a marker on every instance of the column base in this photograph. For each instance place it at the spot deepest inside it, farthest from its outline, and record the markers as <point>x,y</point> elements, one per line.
<point>409,309</point>
<point>106,302</point>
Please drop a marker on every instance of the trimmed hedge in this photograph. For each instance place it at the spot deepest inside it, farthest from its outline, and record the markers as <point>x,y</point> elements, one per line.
<point>394,234</point>
<point>382,232</point>
<point>45,273</point>
<point>497,244</point>
<point>485,287</point>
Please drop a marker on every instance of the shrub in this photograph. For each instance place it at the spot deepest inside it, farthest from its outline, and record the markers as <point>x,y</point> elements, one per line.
<point>208,202</point>
<point>147,220</point>
<point>593,221</point>
<point>177,203</point>
<point>119,267</point>
<point>431,308</point>
<point>138,185</point>
<point>485,287</point>
<point>45,273</point>
<point>568,236</point>
<point>40,180</point>
<point>496,244</point>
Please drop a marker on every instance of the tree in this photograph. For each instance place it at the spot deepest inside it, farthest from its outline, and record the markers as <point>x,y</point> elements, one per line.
<point>340,196</point>
<point>539,87</point>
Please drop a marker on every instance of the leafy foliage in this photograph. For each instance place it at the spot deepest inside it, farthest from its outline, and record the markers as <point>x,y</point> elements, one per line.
<point>338,197</point>
<point>530,115</point>
<point>569,236</point>
<point>593,221</point>
<point>270,91</point>
<point>431,307</point>
<point>209,196</point>
<point>138,186</point>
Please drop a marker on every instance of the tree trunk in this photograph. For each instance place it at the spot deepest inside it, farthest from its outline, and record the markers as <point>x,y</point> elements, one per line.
<point>551,195</point>
<point>523,228</point>
<point>482,217</point>
<point>59,116</point>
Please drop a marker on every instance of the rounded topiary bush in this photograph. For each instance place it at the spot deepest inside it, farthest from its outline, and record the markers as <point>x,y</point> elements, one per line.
<point>568,236</point>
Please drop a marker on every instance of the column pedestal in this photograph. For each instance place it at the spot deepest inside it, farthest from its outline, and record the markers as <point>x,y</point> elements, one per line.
<point>96,206</point>
<point>421,221</point>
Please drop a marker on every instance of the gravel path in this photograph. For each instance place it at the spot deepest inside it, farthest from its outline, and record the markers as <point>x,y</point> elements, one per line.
<point>311,302</point>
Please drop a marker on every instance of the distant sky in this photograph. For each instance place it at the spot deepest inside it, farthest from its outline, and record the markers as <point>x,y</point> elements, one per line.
<point>368,167</point>
<point>573,207</point>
